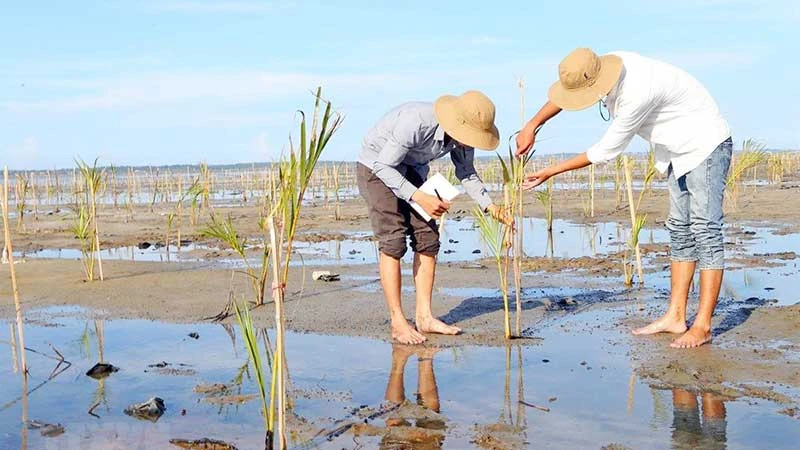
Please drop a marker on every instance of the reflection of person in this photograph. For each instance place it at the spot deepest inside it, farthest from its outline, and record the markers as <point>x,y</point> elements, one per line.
<point>393,163</point>
<point>425,432</point>
<point>427,391</point>
<point>675,113</point>
<point>688,432</point>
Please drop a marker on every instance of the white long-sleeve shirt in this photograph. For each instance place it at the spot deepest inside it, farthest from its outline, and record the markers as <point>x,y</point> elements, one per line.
<point>665,106</point>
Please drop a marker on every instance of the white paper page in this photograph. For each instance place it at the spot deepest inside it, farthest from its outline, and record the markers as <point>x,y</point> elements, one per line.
<point>436,183</point>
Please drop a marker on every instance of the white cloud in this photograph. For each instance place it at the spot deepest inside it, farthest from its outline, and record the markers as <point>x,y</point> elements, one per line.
<point>175,87</point>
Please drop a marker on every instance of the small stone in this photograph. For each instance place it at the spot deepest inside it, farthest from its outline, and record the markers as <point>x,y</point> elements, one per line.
<point>150,410</point>
<point>324,275</point>
<point>101,370</point>
<point>552,399</point>
<point>476,252</point>
<point>545,360</point>
<point>583,363</point>
<point>194,335</point>
<point>144,245</point>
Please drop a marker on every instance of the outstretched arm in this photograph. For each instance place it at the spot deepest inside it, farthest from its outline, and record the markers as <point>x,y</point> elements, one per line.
<point>527,135</point>
<point>540,176</point>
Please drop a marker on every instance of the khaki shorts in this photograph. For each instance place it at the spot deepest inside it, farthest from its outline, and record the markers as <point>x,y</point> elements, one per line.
<point>393,219</point>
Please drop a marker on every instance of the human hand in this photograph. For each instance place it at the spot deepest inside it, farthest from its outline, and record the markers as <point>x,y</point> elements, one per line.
<point>526,139</point>
<point>535,179</point>
<point>431,204</point>
<point>502,215</point>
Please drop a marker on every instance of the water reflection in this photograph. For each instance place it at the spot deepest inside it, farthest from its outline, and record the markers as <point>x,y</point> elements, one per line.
<point>416,435</point>
<point>689,431</point>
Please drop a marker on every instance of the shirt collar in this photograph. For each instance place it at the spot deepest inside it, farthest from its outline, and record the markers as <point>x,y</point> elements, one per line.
<point>438,135</point>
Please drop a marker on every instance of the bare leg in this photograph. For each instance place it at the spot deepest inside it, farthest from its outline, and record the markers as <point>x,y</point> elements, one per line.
<point>426,381</point>
<point>700,333</point>
<point>395,388</point>
<point>402,331</point>
<point>424,274</point>
<point>713,407</point>
<point>674,320</point>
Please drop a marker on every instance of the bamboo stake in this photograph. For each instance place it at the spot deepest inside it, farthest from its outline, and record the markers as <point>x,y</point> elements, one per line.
<point>14,287</point>
<point>518,241</point>
<point>277,296</point>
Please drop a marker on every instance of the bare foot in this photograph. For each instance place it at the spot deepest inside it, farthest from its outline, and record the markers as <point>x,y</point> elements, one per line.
<point>695,337</point>
<point>666,324</point>
<point>404,333</point>
<point>433,325</point>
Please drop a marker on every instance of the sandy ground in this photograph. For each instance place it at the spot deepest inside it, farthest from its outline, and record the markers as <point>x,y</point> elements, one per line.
<point>763,347</point>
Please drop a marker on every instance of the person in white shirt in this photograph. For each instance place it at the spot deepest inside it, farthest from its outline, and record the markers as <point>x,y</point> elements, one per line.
<point>673,111</point>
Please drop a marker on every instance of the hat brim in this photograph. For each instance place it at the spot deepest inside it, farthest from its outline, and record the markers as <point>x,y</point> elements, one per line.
<point>577,99</point>
<point>447,115</point>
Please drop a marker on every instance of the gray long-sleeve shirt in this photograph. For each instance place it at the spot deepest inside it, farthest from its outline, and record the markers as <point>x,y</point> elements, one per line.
<point>408,138</point>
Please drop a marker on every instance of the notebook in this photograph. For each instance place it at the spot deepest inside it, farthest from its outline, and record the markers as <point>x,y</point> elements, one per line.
<point>436,183</point>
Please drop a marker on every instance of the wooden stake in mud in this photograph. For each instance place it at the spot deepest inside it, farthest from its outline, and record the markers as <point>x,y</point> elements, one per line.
<point>277,296</point>
<point>14,288</point>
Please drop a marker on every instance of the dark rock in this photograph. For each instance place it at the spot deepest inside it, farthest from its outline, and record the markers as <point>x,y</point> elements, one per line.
<point>160,364</point>
<point>144,245</point>
<point>476,252</point>
<point>150,410</point>
<point>583,363</point>
<point>194,335</point>
<point>101,370</point>
<point>448,251</point>
<point>354,252</point>
<point>452,241</point>
<point>46,429</point>
<point>545,360</point>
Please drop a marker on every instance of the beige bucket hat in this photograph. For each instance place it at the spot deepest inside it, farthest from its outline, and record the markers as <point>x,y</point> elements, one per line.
<point>584,78</point>
<point>469,119</point>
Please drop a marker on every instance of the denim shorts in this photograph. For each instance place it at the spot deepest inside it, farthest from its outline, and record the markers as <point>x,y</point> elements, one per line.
<point>695,210</point>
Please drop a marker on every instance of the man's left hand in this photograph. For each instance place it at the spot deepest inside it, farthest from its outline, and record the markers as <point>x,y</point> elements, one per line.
<point>502,215</point>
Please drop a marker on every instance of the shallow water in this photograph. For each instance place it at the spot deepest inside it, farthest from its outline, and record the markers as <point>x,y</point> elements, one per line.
<point>597,399</point>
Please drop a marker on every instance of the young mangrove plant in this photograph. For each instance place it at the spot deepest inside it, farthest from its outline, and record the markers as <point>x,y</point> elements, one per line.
<point>82,230</point>
<point>250,337</point>
<point>21,189</point>
<point>294,175</point>
<point>224,230</point>
<point>92,179</point>
<point>498,240</point>
<point>637,222</point>
<point>752,155</point>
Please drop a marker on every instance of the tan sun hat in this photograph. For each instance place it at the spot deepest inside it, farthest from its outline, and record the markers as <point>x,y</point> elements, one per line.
<point>584,78</point>
<point>469,119</point>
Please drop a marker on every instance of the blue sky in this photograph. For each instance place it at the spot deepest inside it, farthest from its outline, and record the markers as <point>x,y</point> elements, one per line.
<point>180,81</point>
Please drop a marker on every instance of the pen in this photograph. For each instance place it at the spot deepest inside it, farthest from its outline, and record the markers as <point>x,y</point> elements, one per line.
<point>437,195</point>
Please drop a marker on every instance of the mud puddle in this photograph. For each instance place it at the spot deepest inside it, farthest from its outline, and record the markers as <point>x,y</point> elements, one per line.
<point>462,397</point>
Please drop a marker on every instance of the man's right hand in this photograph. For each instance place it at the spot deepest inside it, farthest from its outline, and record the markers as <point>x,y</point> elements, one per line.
<point>431,204</point>
<point>526,139</point>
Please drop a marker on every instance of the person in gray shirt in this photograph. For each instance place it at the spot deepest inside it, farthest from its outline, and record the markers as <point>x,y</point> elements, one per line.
<point>393,163</point>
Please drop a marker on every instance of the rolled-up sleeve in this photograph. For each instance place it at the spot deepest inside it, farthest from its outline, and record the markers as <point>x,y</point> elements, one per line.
<point>391,155</point>
<point>630,116</point>
<point>464,162</point>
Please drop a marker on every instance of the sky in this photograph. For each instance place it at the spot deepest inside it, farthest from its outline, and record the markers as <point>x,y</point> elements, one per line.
<point>151,82</point>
